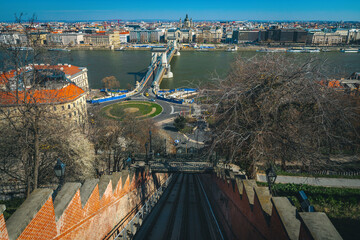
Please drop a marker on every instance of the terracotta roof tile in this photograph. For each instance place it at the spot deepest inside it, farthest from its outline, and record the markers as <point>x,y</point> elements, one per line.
<point>46,96</point>
<point>67,69</point>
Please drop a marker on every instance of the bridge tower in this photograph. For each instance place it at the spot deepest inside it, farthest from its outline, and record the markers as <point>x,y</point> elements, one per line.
<point>174,44</point>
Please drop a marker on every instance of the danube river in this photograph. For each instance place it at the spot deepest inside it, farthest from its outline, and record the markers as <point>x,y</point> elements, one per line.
<point>190,68</point>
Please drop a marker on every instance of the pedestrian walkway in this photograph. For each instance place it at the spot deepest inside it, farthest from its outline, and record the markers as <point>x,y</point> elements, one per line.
<point>314,181</point>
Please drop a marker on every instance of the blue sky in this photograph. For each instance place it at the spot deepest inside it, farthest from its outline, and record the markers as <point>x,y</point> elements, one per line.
<point>347,10</point>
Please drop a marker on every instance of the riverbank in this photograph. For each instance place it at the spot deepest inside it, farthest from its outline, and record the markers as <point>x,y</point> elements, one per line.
<point>216,47</point>
<point>190,69</point>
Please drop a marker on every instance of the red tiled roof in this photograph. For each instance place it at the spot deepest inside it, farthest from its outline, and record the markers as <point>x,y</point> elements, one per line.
<point>331,83</point>
<point>334,84</point>
<point>46,96</point>
<point>4,78</point>
<point>67,69</point>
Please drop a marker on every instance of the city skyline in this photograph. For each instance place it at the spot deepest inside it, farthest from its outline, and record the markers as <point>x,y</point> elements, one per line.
<point>200,10</point>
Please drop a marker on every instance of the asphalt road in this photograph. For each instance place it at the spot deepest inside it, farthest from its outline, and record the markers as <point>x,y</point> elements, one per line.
<point>170,111</point>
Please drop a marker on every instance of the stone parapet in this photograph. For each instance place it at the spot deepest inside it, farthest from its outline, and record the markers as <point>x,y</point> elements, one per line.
<point>80,211</point>
<point>248,211</point>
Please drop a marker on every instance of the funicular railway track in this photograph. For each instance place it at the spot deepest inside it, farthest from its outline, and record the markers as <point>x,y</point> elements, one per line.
<point>182,213</point>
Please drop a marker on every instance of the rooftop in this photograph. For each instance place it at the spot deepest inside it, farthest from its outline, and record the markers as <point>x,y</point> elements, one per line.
<point>67,93</point>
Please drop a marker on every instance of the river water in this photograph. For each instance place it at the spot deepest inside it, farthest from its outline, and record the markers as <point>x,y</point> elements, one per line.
<point>189,69</point>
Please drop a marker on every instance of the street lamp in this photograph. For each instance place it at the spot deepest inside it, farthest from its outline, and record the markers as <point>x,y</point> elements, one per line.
<point>150,150</point>
<point>271,177</point>
<point>146,150</point>
<point>59,170</point>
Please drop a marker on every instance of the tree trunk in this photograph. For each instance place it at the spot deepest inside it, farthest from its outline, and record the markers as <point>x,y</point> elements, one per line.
<point>109,162</point>
<point>28,186</point>
<point>36,155</point>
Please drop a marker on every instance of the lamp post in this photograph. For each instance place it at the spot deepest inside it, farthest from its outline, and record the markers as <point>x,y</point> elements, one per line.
<point>59,170</point>
<point>271,177</point>
<point>151,150</point>
<point>146,152</point>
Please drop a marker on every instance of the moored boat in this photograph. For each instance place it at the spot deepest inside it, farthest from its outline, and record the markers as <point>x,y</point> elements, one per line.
<point>349,50</point>
<point>59,49</point>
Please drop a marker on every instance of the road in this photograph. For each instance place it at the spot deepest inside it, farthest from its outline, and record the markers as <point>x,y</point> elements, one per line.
<point>183,212</point>
<point>170,112</point>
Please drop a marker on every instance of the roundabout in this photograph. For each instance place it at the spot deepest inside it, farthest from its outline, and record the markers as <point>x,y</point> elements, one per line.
<point>140,109</point>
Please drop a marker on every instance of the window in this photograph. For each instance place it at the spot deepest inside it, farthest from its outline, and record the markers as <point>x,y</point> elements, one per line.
<point>54,108</point>
<point>74,104</point>
<point>69,106</point>
<point>70,115</point>
<point>63,107</point>
<point>74,113</point>
<point>64,116</point>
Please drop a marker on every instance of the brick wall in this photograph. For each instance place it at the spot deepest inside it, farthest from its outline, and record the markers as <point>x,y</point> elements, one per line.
<point>3,230</point>
<point>247,211</point>
<point>80,211</point>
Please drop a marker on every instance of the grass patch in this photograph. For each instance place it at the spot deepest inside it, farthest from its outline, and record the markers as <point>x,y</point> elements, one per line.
<point>11,206</point>
<point>140,109</point>
<point>342,205</point>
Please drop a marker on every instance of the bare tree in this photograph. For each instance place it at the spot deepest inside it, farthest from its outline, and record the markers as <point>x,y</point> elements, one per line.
<point>27,111</point>
<point>273,108</point>
<point>110,82</point>
<point>116,140</point>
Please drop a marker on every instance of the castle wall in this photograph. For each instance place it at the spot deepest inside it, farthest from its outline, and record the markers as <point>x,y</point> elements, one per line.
<point>247,211</point>
<point>81,211</point>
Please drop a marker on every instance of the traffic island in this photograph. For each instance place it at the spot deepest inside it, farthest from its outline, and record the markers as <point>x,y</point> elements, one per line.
<point>140,109</point>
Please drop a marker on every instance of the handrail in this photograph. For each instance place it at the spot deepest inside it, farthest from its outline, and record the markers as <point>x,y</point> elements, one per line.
<point>144,211</point>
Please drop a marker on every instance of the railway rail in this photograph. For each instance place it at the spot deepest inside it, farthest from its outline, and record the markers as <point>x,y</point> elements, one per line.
<point>183,212</point>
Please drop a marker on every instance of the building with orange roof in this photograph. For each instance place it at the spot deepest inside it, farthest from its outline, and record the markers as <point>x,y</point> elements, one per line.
<point>47,87</point>
<point>350,85</point>
<point>75,74</point>
<point>124,36</point>
<point>103,39</point>
<point>67,102</point>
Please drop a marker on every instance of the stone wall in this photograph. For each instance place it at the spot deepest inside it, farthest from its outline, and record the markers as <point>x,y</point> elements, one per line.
<point>247,211</point>
<point>9,191</point>
<point>80,211</point>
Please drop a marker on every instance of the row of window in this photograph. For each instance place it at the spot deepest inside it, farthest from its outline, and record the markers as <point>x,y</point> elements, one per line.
<point>72,114</point>
<point>69,105</point>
